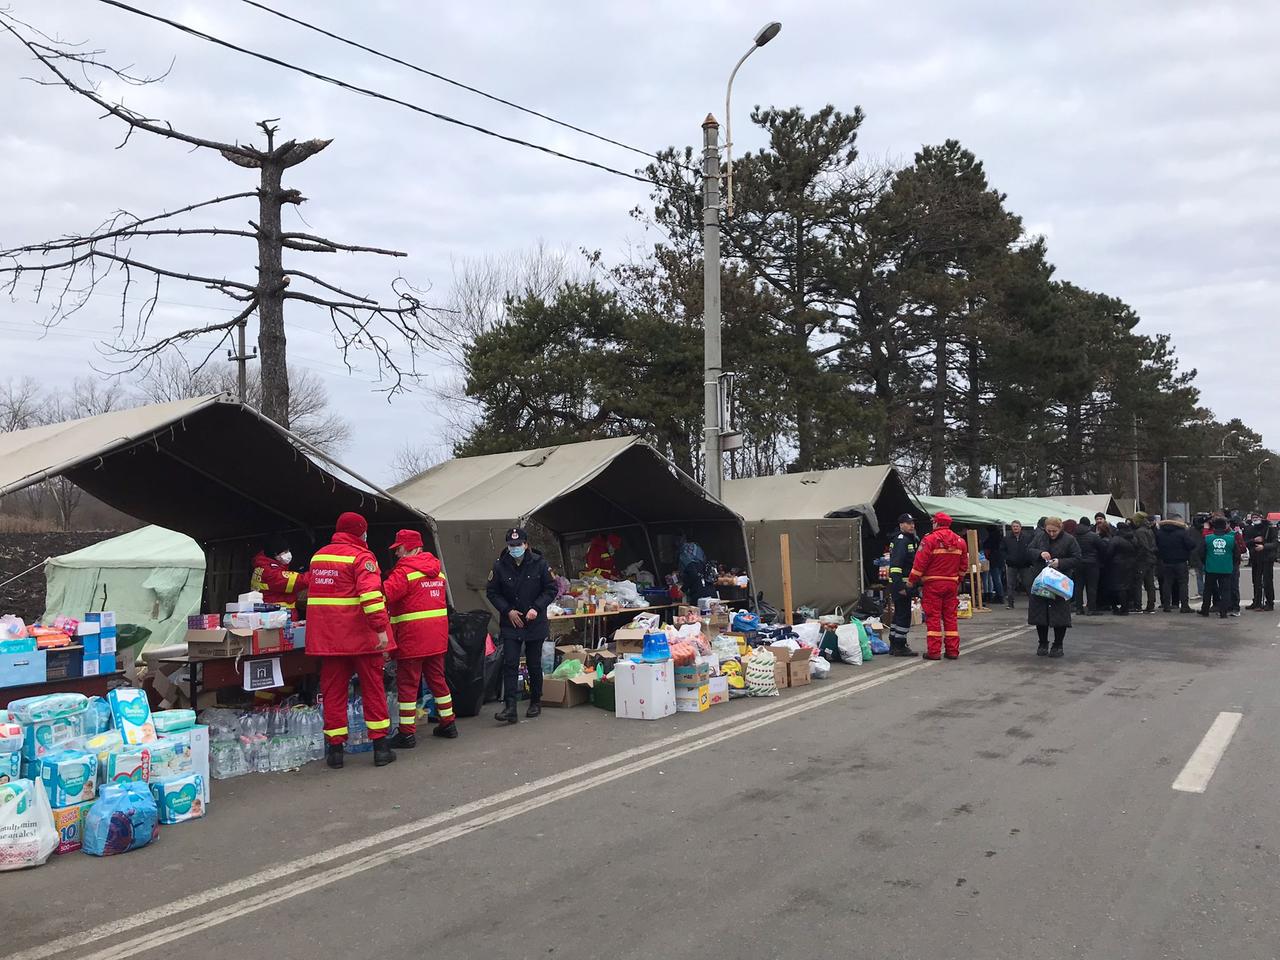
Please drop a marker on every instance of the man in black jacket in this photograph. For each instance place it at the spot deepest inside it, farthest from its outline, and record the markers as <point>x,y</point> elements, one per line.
<point>1017,558</point>
<point>1090,569</point>
<point>521,588</point>
<point>1261,539</point>
<point>1175,545</point>
<point>901,557</point>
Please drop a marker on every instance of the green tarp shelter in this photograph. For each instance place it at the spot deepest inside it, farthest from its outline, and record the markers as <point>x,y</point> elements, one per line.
<point>988,511</point>
<point>152,577</point>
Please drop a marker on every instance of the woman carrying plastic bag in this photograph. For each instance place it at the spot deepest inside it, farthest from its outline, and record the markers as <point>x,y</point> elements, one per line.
<point>27,834</point>
<point>1056,554</point>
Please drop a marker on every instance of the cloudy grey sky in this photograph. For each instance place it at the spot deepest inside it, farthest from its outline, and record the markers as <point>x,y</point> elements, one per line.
<point>1144,142</point>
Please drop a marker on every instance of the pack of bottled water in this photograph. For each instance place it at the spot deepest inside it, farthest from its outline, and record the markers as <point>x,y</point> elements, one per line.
<point>263,740</point>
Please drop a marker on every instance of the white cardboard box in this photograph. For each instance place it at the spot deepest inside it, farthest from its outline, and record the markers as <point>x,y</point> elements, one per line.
<point>644,691</point>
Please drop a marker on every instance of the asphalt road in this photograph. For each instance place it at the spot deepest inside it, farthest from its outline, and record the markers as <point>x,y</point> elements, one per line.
<point>1001,806</point>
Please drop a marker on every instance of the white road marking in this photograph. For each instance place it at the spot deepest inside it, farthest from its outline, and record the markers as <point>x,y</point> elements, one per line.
<point>1195,776</point>
<point>547,790</point>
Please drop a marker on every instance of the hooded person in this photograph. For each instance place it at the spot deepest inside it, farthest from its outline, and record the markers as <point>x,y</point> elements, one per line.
<point>1175,545</point>
<point>940,561</point>
<point>347,628</point>
<point>272,577</point>
<point>418,601</point>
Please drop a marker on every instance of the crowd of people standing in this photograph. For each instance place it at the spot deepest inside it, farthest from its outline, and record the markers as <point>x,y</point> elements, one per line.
<point>1140,565</point>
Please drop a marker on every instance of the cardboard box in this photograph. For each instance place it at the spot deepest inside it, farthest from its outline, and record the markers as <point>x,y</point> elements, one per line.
<point>88,629</point>
<point>104,617</point>
<point>106,643</point>
<point>694,700</point>
<point>794,664</point>
<point>628,640</point>
<point>574,692</point>
<point>69,822</point>
<point>90,667</point>
<point>107,663</point>
<point>718,688</point>
<point>204,621</point>
<point>644,691</point>
<point>267,641</point>
<point>205,644</point>
<point>684,610</point>
<point>18,669</point>
<point>693,676</point>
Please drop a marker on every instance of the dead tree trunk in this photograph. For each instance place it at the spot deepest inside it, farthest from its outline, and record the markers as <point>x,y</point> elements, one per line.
<point>271,284</point>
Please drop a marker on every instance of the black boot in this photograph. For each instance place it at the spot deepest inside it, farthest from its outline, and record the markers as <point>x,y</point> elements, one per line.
<point>899,648</point>
<point>449,731</point>
<point>1056,649</point>
<point>382,752</point>
<point>404,741</point>
<point>1269,608</point>
<point>508,713</point>
<point>1186,609</point>
<point>1009,604</point>
<point>333,755</point>
<point>535,709</point>
<point>1042,648</point>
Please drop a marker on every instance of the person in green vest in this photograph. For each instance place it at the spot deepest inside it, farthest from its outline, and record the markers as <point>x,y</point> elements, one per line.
<point>1219,562</point>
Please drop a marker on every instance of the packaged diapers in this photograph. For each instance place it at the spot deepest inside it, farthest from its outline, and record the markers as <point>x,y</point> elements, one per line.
<point>132,715</point>
<point>179,798</point>
<point>124,818</point>
<point>69,776</point>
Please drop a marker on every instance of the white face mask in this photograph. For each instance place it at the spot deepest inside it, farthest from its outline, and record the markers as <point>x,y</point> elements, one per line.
<point>286,558</point>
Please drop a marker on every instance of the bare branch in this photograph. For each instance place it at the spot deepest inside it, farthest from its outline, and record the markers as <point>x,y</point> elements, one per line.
<point>368,301</point>
<point>325,245</point>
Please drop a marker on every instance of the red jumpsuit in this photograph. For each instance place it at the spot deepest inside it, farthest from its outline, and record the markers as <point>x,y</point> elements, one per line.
<point>345,613</point>
<point>941,560</point>
<point>276,582</point>
<point>602,555</point>
<point>418,603</point>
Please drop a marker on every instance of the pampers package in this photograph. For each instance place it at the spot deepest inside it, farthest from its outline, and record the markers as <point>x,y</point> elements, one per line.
<point>69,776</point>
<point>69,822</point>
<point>179,798</point>
<point>124,818</point>
<point>132,715</point>
<point>169,721</point>
<point>124,764</point>
<point>49,722</point>
<point>10,752</point>
<point>166,759</point>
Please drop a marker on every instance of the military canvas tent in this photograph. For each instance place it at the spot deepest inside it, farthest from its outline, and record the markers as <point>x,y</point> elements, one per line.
<point>993,511</point>
<point>213,469</point>
<point>836,519</point>
<point>151,577</point>
<point>1090,504</point>
<point>568,493</point>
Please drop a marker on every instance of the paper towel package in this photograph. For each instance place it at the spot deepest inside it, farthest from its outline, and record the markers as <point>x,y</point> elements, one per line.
<point>132,715</point>
<point>69,776</point>
<point>179,798</point>
<point>69,822</point>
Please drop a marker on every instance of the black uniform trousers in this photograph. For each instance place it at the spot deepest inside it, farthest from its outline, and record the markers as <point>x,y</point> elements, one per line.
<point>1264,582</point>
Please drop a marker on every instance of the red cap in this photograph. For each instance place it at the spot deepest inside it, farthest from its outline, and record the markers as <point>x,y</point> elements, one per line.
<point>352,524</point>
<point>940,519</point>
<point>408,540</point>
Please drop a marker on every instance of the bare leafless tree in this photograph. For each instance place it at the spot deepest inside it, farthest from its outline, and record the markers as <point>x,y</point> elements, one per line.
<point>310,415</point>
<point>415,458</point>
<point>68,269</point>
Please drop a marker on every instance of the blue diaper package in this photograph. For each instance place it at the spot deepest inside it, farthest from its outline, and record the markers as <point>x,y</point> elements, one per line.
<point>69,776</point>
<point>47,736</point>
<point>10,767</point>
<point>168,721</point>
<point>124,818</point>
<point>179,798</point>
<point>132,715</point>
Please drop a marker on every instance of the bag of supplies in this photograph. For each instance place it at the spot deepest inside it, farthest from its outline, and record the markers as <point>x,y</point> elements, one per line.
<point>1051,584</point>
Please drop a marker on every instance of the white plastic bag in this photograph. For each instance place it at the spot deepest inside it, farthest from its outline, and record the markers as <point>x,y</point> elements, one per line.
<point>819,668</point>
<point>809,632</point>
<point>760,677</point>
<point>848,644</point>
<point>27,834</point>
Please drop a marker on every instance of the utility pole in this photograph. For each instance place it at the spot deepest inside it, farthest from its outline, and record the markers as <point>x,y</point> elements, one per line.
<point>242,358</point>
<point>711,303</point>
<point>1136,497</point>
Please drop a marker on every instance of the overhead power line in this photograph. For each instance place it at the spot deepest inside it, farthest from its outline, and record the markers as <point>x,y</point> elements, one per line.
<point>457,83</point>
<point>267,58</point>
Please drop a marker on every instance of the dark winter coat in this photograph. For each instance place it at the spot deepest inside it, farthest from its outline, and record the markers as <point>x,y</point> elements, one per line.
<point>1270,542</point>
<point>1090,545</point>
<point>1016,547</point>
<point>1122,565</point>
<point>1144,542</point>
<point>1055,611</point>
<point>527,585</point>
<point>993,546</point>
<point>1175,543</point>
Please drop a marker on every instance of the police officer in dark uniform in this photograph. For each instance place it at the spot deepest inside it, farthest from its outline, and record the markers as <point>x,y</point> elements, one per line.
<point>521,588</point>
<point>901,557</point>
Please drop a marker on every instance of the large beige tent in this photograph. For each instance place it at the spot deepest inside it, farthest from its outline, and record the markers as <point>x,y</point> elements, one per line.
<point>211,468</point>
<point>567,494</point>
<point>836,520</point>
<point>1091,504</point>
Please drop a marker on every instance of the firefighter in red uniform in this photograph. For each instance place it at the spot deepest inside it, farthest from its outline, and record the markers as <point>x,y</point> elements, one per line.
<point>347,629</point>
<point>602,555</point>
<point>272,576</point>
<point>418,603</point>
<point>940,561</point>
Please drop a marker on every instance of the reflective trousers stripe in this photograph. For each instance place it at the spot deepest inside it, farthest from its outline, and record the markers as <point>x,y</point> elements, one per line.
<point>419,615</point>
<point>377,724</point>
<point>953,577</point>
<point>336,732</point>
<point>411,705</point>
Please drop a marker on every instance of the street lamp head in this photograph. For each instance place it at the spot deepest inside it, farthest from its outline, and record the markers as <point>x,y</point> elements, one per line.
<point>768,32</point>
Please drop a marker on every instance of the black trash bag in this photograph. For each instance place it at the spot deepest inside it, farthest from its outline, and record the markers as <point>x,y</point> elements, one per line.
<point>493,675</point>
<point>464,664</point>
<point>870,605</point>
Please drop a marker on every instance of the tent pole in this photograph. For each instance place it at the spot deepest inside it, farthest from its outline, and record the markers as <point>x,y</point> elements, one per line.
<point>785,543</point>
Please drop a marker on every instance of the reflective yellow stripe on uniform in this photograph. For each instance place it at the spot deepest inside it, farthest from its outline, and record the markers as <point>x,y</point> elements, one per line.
<point>290,581</point>
<point>375,607</point>
<point>332,558</point>
<point>377,724</point>
<point>895,569</point>
<point>445,707</point>
<point>336,732</point>
<point>370,595</point>
<point>415,575</point>
<point>334,601</point>
<point>419,615</point>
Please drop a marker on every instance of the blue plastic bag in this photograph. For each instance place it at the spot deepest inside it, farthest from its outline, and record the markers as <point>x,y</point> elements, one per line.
<point>878,646</point>
<point>656,648</point>
<point>124,818</point>
<point>744,622</point>
<point>1052,584</point>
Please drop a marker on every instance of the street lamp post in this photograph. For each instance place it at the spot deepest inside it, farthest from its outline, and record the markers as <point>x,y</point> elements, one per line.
<point>712,423</point>
<point>1222,504</point>
<point>1257,489</point>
